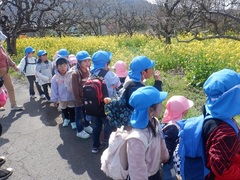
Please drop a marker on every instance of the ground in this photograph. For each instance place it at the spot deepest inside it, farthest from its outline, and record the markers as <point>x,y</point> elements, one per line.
<point>37,147</point>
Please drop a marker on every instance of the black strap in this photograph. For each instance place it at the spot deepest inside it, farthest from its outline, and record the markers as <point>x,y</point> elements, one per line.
<point>26,62</point>
<point>102,74</point>
<point>209,125</point>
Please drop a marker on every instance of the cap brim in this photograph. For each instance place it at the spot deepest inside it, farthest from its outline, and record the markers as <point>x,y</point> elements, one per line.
<point>152,64</point>
<point>163,96</point>
<point>139,119</point>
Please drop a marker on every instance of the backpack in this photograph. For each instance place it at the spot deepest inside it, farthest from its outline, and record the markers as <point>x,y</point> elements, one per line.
<point>114,159</point>
<point>94,91</point>
<point>192,146</point>
<point>117,111</point>
<point>26,63</point>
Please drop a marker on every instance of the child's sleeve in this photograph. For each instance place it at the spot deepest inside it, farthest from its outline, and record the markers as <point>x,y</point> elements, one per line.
<point>113,78</point>
<point>21,65</point>
<point>54,90</point>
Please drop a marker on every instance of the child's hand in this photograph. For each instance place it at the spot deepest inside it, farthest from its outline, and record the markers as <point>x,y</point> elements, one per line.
<point>156,75</point>
<point>55,104</point>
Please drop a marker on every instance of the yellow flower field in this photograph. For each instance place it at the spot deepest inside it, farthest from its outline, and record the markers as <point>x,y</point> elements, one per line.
<point>197,59</point>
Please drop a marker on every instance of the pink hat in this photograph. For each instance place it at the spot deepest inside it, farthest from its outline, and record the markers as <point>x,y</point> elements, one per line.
<point>175,107</point>
<point>121,69</point>
<point>72,59</point>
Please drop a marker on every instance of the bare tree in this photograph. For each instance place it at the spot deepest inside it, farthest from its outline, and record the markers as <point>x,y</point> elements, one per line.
<point>18,17</point>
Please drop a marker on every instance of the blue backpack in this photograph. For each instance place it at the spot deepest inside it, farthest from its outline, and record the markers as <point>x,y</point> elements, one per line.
<point>192,145</point>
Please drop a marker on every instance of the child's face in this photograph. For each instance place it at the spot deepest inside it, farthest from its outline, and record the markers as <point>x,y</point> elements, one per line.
<point>148,73</point>
<point>43,57</point>
<point>62,68</point>
<point>85,64</point>
<point>30,55</point>
<point>157,112</point>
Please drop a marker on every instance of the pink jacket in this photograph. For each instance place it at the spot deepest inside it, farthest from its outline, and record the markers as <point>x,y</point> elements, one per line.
<point>144,162</point>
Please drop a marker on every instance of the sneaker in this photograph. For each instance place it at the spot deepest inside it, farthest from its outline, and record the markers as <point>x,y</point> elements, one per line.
<point>88,129</point>
<point>17,108</point>
<point>74,126</point>
<point>42,96</point>
<point>83,134</point>
<point>2,109</point>
<point>95,150</point>
<point>65,122</point>
<point>5,173</point>
<point>32,96</point>
<point>49,100</point>
<point>2,160</point>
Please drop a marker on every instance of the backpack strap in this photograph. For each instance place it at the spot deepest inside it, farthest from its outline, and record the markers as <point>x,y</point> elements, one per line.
<point>102,74</point>
<point>26,62</point>
<point>137,134</point>
<point>209,125</point>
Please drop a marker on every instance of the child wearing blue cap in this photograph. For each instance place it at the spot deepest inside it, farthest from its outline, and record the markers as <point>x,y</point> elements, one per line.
<point>144,162</point>
<point>28,67</point>
<point>60,93</point>
<point>222,147</point>
<point>101,60</point>
<point>141,68</point>
<point>44,72</point>
<point>79,77</point>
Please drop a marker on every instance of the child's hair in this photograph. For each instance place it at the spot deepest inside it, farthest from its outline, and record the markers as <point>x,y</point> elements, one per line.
<point>61,61</point>
<point>1,82</point>
<point>150,125</point>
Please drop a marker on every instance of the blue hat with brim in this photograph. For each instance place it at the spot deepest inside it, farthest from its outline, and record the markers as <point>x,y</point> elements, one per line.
<point>41,53</point>
<point>141,100</point>
<point>139,64</point>
<point>28,50</point>
<point>62,53</point>
<point>223,91</point>
<point>82,55</point>
<point>100,58</point>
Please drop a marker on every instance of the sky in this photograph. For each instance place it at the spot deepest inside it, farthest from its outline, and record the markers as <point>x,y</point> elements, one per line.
<point>151,1</point>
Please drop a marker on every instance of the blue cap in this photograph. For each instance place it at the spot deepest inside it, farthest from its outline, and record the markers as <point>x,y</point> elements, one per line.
<point>28,50</point>
<point>141,100</point>
<point>100,58</point>
<point>223,91</point>
<point>41,53</point>
<point>82,55</point>
<point>139,64</point>
<point>62,53</point>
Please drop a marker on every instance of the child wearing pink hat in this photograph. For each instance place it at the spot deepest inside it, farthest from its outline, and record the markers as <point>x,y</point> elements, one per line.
<point>176,108</point>
<point>121,71</point>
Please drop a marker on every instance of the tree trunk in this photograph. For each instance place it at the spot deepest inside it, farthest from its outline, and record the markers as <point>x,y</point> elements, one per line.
<point>168,40</point>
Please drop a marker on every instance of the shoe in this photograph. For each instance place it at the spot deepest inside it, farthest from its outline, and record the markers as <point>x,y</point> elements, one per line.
<point>83,134</point>
<point>95,150</point>
<point>88,129</point>
<point>66,122</point>
<point>74,126</point>
<point>42,96</point>
<point>5,173</point>
<point>32,96</point>
<point>17,108</point>
<point>2,109</point>
<point>49,100</point>
<point>2,160</point>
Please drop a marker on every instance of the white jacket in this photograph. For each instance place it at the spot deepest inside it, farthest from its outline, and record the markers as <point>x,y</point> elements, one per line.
<point>30,68</point>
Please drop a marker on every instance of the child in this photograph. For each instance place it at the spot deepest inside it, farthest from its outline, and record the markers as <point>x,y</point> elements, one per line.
<point>176,108</point>
<point>60,93</point>
<point>3,95</point>
<point>79,77</point>
<point>44,72</point>
<point>28,67</point>
<point>101,60</point>
<point>141,68</point>
<point>120,68</point>
<point>61,53</point>
<point>145,162</point>
<point>72,60</point>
